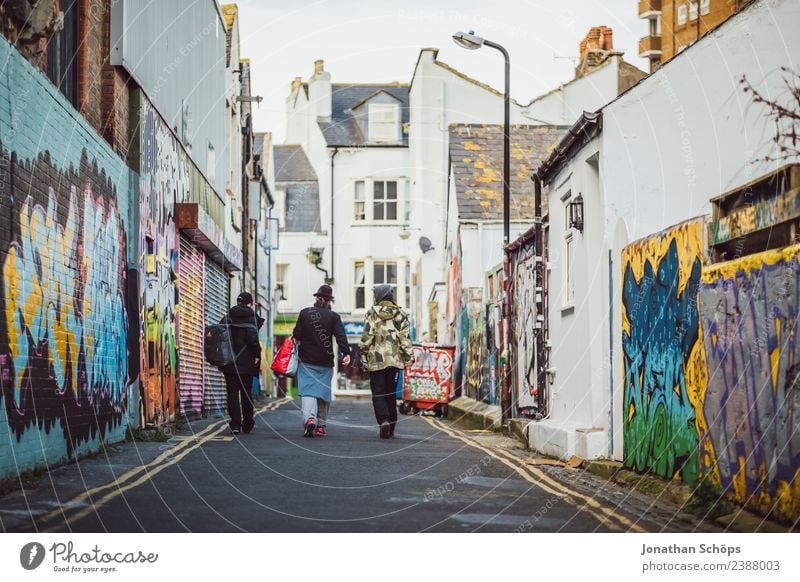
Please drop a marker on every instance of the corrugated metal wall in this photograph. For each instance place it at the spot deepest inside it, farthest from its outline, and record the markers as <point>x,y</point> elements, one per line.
<point>183,72</point>
<point>191,329</point>
<point>217,301</point>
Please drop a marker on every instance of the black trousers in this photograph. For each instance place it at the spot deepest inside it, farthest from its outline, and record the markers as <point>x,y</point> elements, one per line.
<point>240,400</point>
<point>383,385</point>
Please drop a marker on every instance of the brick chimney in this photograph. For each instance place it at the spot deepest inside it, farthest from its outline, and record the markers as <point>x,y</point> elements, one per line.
<point>595,49</point>
<point>319,90</point>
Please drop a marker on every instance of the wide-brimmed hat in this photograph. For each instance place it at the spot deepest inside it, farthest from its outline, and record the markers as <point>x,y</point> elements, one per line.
<point>325,292</point>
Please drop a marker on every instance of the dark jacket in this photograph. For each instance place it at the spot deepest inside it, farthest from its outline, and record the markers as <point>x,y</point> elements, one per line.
<point>249,361</point>
<point>315,328</point>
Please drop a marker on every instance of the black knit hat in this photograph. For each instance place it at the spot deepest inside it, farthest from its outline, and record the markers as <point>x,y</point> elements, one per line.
<point>244,298</point>
<point>325,292</point>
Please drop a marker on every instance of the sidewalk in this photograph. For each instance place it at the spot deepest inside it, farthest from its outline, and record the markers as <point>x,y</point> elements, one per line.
<point>467,413</point>
<point>43,491</point>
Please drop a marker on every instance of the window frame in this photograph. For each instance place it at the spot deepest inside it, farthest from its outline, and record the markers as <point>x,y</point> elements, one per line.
<point>402,284</point>
<point>681,8</point>
<point>282,281</point>
<point>401,203</point>
<point>568,247</point>
<point>705,7</point>
<point>694,10</point>
<point>374,111</point>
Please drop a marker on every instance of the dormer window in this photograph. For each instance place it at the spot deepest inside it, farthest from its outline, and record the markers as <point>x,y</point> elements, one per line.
<point>384,122</point>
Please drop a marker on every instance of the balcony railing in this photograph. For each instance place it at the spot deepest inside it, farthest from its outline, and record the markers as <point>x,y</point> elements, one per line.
<point>649,8</point>
<point>650,45</point>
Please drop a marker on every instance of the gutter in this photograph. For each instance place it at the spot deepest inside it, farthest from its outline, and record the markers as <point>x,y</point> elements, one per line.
<point>588,126</point>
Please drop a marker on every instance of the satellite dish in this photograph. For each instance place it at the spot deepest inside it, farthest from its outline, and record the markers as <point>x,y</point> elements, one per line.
<point>425,244</point>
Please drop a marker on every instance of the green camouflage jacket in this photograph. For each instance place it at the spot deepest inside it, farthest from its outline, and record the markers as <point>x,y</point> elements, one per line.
<point>385,341</point>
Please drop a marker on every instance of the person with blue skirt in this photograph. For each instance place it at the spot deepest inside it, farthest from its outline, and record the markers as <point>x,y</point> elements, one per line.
<point>315,331</point>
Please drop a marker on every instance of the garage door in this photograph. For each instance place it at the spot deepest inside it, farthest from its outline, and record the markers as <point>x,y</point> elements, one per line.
<point>217,304</point>
<point>191,327</point>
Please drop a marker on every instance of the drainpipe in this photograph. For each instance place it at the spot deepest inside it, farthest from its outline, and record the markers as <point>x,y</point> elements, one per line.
<point>611,350</point>
<point>333,195</point>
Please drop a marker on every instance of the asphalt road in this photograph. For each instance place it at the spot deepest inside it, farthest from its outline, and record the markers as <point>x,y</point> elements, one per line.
<point>430,477</point>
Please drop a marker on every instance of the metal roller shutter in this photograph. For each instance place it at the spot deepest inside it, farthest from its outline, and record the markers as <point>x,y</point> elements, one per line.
<point>217,303</point>
<point>191,329</point>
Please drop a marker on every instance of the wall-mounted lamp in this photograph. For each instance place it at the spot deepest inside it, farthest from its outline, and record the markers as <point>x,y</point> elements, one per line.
<point>576,213</point>
<point>405,232</point>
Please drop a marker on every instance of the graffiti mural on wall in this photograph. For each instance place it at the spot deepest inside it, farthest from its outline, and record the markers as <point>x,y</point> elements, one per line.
<point>165,180</point>
<point>749,310</point>
<point>429,376</point>
<point>525,327</point>
<point>663,361</point>
<point>473,343</point>
<point>63,336</point>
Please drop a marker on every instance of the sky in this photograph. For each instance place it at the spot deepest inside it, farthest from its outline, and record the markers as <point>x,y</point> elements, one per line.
<point>379,41</point>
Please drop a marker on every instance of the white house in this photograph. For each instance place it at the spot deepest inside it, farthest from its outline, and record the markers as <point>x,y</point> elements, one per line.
<point>343,198</point>
<point>650,159</point>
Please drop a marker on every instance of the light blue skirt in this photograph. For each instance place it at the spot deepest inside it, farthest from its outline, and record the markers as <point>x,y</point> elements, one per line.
<point>314,381</point>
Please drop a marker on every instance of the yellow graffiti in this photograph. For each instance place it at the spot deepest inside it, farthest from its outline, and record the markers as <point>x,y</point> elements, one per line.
<point>756,262</point>
<point>689,238</point>
<point>696,389</point>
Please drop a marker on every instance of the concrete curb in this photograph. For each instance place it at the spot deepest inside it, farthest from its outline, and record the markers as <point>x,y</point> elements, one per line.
<point>740,521</point>
<point>472,412</point>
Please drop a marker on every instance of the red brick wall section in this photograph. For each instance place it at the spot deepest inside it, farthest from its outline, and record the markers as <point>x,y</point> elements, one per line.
<point>104,88</point>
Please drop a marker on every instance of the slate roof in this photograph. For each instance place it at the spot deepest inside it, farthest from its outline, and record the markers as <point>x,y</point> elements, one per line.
<point>292,165</point>
<point>342,129</point>
<point>476,159</point>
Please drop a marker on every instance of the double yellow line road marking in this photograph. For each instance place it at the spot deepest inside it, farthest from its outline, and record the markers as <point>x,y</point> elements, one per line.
<point>601,512</point>
<point>103,494</point>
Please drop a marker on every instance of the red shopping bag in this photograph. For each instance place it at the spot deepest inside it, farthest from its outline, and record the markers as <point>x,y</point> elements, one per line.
<point>285,362</point>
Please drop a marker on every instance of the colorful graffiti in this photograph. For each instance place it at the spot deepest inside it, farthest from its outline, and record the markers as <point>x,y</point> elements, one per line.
<point>663,360</point>
<point>749,309</point>
<point>429,377</point>
<point>165,180</point>
<point>470,341</point>
<point>525,327</point>
<point>63,337</point>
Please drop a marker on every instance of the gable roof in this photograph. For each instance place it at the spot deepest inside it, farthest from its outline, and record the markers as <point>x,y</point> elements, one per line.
<point>476,161</point>
<point>292,165</point>
<point>343,129</point>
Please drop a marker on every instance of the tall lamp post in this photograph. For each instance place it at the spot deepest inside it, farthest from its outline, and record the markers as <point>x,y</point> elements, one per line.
<point>469,40</point>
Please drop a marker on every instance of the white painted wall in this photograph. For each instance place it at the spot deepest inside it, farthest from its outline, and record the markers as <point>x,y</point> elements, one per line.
<point>589,93</point>
<point>580,388</point>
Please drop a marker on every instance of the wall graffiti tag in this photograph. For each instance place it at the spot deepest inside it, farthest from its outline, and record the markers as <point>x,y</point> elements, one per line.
<point>165,180</point>
<point>749,311</point>
<point>525,327</point>
<point>663,358</point>
<point>429,376</point>
<point>63,338</point>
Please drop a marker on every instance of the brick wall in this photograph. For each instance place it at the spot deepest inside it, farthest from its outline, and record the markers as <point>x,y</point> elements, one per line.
<point>64,206</point>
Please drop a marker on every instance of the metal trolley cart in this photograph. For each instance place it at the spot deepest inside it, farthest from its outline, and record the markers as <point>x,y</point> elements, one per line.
<point>427,382</point>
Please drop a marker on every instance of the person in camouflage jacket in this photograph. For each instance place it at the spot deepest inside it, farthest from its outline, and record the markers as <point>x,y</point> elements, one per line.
<point>385,349</point>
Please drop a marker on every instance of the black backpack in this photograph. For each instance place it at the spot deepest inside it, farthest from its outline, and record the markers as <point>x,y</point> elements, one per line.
<point>218,344</point>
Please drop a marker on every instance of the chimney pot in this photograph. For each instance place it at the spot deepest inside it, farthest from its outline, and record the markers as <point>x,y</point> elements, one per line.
<point>319,66</point>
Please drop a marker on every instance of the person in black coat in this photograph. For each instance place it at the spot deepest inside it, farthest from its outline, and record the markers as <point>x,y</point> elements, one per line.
<point>239,375</point>
<point>316,330</point>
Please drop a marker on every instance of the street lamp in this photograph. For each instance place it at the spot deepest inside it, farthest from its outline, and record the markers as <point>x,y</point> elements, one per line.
<point>469,40</point>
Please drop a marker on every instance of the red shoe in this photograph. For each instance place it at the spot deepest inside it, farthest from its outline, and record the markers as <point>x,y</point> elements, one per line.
<point>309,428</point>
<point>320,432</point>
